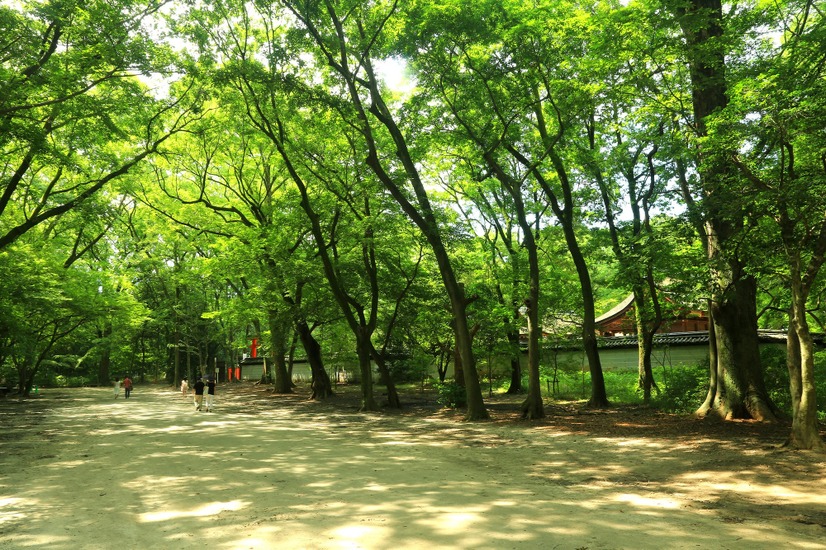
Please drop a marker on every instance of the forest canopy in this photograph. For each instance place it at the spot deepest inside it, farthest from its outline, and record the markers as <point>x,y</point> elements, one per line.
<point>403,186</point>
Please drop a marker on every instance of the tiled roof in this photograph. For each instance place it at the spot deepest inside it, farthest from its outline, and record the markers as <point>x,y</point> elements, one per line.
<point>688,339</point>
<point>670,339</point>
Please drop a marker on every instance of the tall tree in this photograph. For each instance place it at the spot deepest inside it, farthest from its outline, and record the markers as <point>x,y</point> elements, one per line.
<point>528,99</point>
<point>239,179</point>
<point>491,216</point>
<point>346,40</point>
<point>778,113</point>
<point>627,132</point>
<point>738,389</point>
<point>333,186</point>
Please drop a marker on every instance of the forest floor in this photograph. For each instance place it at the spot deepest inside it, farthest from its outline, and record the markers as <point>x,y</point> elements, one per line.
<point>80,469</point>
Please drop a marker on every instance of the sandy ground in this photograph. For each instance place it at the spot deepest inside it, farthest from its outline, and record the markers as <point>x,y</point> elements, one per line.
<point>79,469</point>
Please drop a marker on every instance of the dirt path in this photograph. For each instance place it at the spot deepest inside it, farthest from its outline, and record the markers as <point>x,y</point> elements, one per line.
<point>81,470</point>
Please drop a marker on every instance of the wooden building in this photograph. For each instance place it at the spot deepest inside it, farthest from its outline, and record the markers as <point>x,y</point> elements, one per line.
<point>619,321</point>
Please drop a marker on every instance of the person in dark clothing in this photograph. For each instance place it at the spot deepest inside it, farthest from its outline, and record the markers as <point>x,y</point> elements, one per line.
<point>210,397</point>
<point>199,394</point>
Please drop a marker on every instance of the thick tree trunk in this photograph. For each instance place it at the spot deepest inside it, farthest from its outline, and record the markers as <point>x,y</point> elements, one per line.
<point>465,359</point>
<point>740,390</point>
<point>282,382</point>
<point>403,177</point>
<point>646,375</point>
<point>458,369</point>
<point>645,344</point>
<point>423,216</point>
<point>176,357</point>
<point>515,386</point>
<point>532,407</point>
<point>23,386</point>
<point>28,383</point>
<point>599,397</point>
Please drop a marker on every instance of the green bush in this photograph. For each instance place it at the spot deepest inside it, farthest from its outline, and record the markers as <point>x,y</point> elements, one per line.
<point>682,388</point>
<point>622,386</point>
<point>450,394</point>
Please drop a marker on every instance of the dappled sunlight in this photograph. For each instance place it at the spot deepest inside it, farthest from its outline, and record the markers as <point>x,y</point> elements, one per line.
<point>773,492</point>
<point>648,502</point>
<point>400,443</point>
<point>286,477</point>
<point>456,521</point>
<point>66,464</point>
<point>636,443</point>
<point>211,509</point>
<point>269,470</point>
<point>376,488</point>
<point>11,508</point>
<point>745,484</point>
<point>321,484</point>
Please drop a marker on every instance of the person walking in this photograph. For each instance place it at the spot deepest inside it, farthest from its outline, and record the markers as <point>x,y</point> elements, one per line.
<point>210,396</point>
<point>199,394</point>
<point>117,387</point>
<point>127,387</point>
<point>184,387</point>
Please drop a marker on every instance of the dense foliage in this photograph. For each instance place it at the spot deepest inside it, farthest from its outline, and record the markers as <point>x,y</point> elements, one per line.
<point>407,187</point>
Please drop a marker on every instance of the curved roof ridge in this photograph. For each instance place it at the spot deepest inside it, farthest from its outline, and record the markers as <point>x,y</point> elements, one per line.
<point>617,310</point>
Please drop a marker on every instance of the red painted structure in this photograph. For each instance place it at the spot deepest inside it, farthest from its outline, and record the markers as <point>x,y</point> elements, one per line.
<point>620,320</point>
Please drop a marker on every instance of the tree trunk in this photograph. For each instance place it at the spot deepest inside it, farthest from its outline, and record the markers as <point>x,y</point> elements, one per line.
<point>599,397</point>
<point>465,373</point>
<point>321,385</point>
<point>393,400</point>
<point>282,383</point>
<point>511,321</point>
<point>710,402</point>
<point>646,375</point>
<point>645,345</point>
<point>458,370</point>
<point>512,334</point>
<point>515,386</point>
<point>740,390</point>
<point>23,387</point>
<point>800,363</point>
<point>532,407</point>
<point>648,323</point>
<point>364,348</point>
<point>176,357</point>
